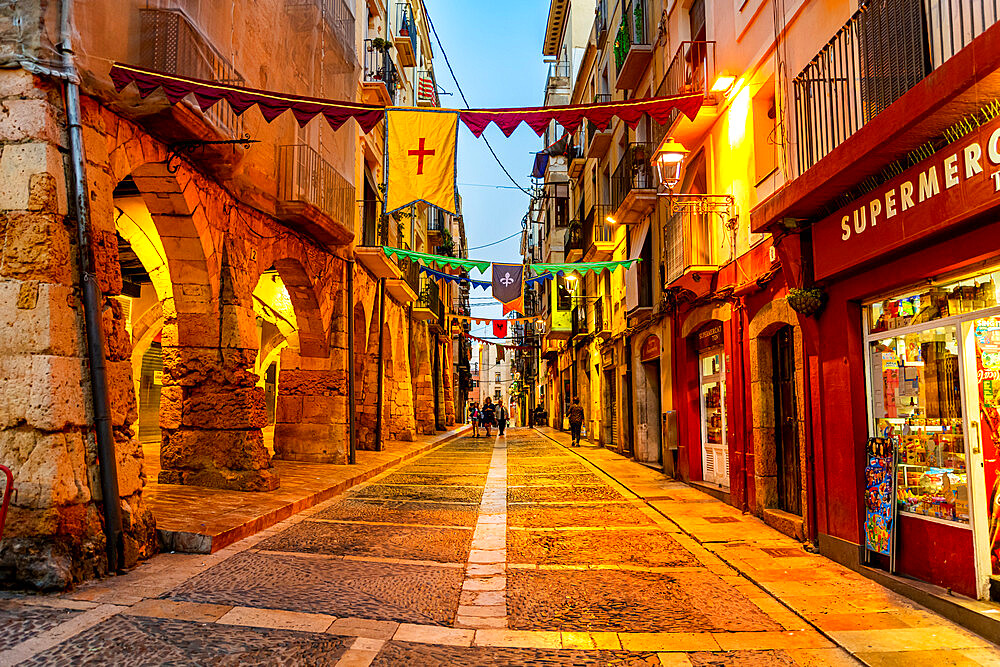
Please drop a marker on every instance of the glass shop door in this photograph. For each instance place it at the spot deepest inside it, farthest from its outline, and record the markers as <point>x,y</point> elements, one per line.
<point>981,356</point>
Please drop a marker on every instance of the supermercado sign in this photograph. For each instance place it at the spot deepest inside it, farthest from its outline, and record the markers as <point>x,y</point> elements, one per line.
<point>957,182</point>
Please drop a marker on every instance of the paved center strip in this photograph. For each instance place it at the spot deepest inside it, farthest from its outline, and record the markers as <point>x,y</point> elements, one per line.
<point>483,603</point>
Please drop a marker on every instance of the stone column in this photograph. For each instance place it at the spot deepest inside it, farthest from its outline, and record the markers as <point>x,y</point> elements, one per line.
<point>311,415</point>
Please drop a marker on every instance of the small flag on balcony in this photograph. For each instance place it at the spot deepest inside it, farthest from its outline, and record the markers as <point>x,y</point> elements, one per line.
<point>421,159</point>
<point>426,90</point>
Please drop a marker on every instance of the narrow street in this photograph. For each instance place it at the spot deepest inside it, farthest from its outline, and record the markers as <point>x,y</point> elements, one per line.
<point>500,551</point>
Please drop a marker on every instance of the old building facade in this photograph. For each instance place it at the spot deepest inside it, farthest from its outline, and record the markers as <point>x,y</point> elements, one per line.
<point>221,247</point>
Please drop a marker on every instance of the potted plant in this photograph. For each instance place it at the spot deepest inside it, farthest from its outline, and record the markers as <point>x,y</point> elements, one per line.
<point>806,300</point>
<point>379,44</point>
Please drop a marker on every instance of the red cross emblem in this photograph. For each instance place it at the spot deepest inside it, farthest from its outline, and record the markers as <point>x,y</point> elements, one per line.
<point>420,153</point>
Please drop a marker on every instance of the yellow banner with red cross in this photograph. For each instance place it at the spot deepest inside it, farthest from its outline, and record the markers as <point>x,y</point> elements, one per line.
<point>421,158</point>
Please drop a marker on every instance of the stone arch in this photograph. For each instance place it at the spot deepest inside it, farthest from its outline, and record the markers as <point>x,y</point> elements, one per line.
<point>360,351</point>
<point>771,318</point>
<point>312,335</point>
<point>703,314</point>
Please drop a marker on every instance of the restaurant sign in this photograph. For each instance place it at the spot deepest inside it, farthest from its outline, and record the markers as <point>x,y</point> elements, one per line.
<point>959,181</point>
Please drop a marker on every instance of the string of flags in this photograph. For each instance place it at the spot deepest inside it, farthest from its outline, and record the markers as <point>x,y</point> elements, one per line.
<point>421,144</point>
<point>486,341</point>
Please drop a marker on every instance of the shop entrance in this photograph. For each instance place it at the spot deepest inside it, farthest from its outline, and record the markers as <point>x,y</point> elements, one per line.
<point>647,407</point>
<point>935,380</point>
<point>712,399</point>
<point>610,411</point>
<point>786,436</point>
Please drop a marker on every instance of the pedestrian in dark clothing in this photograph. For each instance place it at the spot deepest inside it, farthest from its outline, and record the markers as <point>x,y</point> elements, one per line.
<point>488,416</point>
<point>474,418</point>
<point>502,419</point>
<point>576,417</point>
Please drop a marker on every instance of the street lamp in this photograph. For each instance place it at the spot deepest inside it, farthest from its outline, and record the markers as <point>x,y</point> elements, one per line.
<point>668,160</point>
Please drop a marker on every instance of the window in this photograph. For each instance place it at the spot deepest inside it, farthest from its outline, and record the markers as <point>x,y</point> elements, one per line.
<point>496,394</point>
<point>765,132</point>
<point>498,377</point>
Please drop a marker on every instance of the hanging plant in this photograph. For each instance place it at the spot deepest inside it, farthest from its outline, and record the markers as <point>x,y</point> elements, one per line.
<point>380,44</point>
<point>806,300</point>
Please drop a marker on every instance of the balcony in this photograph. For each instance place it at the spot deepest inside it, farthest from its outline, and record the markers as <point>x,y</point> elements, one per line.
<point>559,323</point>
<point>633,185</point>
<point>577,155</point>
<point>172,44</point>
<point>406,286</point>
<point>436,226</point>
<point>632,49</point>
<point>334,15</point>
<point>428,306</point>
<point>602,325</point>
<point>601,23</point>
<point>692,70</point>
<point>313,197</point>
<point>427,95</point>
<point>381,77</point>
<point>573,244</point>
<point>598,141</point>
<point>878,55</point>
<point>579,327</point>
<point>599,234</point>
<point>690,243</point>
<point>405,35</point>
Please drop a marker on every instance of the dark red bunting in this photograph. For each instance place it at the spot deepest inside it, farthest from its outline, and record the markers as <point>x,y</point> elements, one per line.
<point>336,113</point>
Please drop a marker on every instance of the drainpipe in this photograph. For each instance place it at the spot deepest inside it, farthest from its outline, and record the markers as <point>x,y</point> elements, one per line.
<point>381,324</point>
<point>351,401</point>
<point>91,304</point>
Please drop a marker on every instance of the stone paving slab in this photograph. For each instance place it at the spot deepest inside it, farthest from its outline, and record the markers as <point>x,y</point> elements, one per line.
<point>620,601</point>
<point>437,544</point>
<point>566,547</point>
<point>454,494</point>
<point>434,479</point>
<point>554,479</point>
<point>374,590</point>
<point>404,653</point>
<point>575,514</point>
<point>401,511</point>
<point>561,494</point>
<point>140,641</point>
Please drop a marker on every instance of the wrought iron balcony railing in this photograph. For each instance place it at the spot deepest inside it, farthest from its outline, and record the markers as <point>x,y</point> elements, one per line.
<point>601,21</point>
<point>634,172</point>
<point>335,15</point>
<point>885,49</point>
<point>171,43</point>
<point>599,316</point>
<point>598,229</point>
<point>574,238</point>
<point>631,31</point>
<point>304,176</point>
<point>691,71</point>
<point>689,241</point>
<point>380,68</point>
<point>579,320</point>
<point>405,27</point>
<point>430,298</point>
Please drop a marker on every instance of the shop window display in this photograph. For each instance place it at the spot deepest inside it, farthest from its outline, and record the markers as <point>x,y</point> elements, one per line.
<point>917,401</point>
<point>936,302</point>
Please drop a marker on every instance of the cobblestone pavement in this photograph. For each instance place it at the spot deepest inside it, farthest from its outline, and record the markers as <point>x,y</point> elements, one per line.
<point>515,551</point>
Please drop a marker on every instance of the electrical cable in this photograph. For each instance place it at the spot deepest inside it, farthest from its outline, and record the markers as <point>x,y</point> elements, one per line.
<point>506,238</point>
<point>464,100</point>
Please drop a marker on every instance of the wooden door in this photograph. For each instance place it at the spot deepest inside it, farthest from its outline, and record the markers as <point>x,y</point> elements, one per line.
<point>786,432</point>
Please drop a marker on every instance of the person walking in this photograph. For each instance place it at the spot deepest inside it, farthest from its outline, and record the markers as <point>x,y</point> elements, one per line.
<point>576,417</point>
<point>502,418</point>
<point>488,415</point>
<point>474,418</point>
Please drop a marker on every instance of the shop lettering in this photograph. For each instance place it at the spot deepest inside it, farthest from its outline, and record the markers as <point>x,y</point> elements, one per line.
<point>988,375</point>
<point>964,164</point>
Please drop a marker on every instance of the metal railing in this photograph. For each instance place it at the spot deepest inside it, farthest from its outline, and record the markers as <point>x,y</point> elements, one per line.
<point>573,240</point>
<point>559,69</point>
<point>634,172</point>
<point>430,298</point>
<point>304,176</point>
<point>690,71</point>
<point>601,21</point>
<point>880,53</point>
<point>405,26</point>
<point>632,31</point>
<point>599,315</point>
<point>435,220</point>
<point>410,270</point>
<point>598,229</point>
<point>579,325</point>
<point>379,68</point>
<point>172,44</point>
<point>689,239</point>
<point>336,16</point>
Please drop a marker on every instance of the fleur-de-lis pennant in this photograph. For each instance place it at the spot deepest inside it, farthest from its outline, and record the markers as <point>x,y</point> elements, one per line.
<point>508,282</point>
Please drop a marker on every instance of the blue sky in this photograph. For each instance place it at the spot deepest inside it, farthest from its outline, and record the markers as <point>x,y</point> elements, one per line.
<point>495,49</point>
